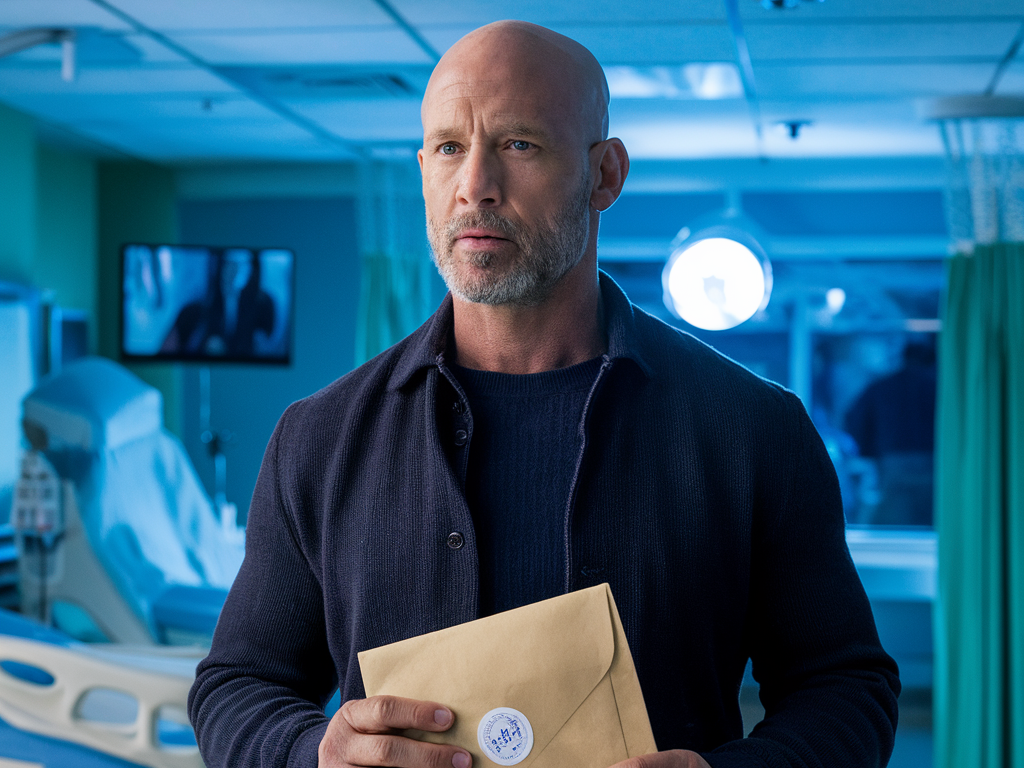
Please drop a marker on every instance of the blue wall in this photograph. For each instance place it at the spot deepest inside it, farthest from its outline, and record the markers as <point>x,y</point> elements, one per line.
<point>248,399</point>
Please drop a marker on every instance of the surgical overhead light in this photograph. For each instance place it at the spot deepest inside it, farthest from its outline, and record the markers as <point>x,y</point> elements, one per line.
<point>22,39</point>
<point>718,275</point>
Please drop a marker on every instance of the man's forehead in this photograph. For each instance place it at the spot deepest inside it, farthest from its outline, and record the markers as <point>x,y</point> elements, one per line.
<point>529,106</point>
<point>552,78</point>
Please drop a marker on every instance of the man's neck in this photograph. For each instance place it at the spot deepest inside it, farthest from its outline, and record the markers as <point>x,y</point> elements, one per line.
<point>566,329</point>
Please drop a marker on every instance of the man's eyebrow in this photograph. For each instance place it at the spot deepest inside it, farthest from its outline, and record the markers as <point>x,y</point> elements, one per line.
<point>525,129</point>
<point>517,128</point>
<point>442,135</point>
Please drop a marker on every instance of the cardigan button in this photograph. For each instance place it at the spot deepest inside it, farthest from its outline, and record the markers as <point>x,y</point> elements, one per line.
<point>461,436</point>
<point>455,540</point>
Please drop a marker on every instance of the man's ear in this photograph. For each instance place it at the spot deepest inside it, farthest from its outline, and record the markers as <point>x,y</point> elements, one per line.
<point>612,168</point>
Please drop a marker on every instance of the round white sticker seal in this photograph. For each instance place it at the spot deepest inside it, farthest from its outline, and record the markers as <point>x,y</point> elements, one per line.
<point>505,736</point>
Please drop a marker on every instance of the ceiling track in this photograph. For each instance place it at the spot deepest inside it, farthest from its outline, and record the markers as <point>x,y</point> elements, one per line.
<point>274,106</point>
<point>739,39</point>
<point>409,29</point>
<point>1011,52</point>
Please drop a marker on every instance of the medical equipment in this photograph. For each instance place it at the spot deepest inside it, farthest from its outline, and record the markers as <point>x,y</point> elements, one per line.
<point>142,557</point>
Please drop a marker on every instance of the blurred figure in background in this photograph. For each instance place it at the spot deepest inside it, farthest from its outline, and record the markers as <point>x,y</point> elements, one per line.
<point>893,422</point>
<point>233,319</point>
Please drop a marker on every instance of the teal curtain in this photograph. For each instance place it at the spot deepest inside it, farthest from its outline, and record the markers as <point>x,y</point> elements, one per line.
<point>979,618</point>
<point>399,285</point>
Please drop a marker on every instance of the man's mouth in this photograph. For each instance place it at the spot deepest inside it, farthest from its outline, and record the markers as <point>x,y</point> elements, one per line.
<point>481,236</point>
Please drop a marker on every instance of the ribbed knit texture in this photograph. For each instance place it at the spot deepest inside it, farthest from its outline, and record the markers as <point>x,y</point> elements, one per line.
<point>522,456</point>
<point>705,499</point>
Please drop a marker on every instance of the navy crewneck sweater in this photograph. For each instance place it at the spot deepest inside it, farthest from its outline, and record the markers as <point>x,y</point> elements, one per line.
<point>521,461</point>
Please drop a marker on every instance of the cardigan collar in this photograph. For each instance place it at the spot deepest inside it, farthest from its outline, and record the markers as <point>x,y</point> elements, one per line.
<point>430,345</point>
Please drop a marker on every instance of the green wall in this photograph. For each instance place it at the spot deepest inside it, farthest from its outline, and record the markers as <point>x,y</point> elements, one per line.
<point>65,261</point>
<point>17,196</point>
<point>137,204</point>
<point>63,218</point>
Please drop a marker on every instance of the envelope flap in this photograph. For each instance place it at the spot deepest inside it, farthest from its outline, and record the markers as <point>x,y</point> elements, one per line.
<point>542,659</point>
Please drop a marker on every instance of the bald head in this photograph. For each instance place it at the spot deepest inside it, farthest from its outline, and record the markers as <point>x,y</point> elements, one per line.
<point>527,59</point>
<point>516,167</point>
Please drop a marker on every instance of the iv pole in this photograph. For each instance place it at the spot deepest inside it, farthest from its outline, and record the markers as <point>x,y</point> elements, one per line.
<point>215,440</point>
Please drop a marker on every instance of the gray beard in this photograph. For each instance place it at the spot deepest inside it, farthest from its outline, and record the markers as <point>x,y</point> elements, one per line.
<point>546,253</point>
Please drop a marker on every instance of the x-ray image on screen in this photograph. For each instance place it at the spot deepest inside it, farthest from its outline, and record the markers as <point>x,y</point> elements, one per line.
<point>207,304</point>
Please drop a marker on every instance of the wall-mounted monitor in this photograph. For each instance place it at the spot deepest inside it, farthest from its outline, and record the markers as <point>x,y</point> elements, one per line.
<point>206,304</point>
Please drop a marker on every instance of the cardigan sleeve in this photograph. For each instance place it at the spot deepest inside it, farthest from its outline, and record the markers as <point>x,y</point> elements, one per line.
<point>258,697</point>
<point>828,688</point>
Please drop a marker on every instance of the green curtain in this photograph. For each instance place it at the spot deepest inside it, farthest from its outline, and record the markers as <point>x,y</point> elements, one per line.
<point>979,618</point>
<point>395,296</point>
<point>399,285</point>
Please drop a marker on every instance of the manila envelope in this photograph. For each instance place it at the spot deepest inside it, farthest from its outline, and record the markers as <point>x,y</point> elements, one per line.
<point>561,665</point>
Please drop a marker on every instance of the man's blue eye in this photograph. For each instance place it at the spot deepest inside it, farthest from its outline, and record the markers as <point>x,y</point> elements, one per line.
<point>521,145</point>
<point>448,149</point>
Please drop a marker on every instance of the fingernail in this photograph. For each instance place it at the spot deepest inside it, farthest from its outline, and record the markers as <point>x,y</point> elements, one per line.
<point>461,760</point>
<point>443,717</point>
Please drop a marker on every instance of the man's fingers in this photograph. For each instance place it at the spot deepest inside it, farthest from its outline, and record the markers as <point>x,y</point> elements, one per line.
<point>362,733</point>
<point>381,714</point>
<point>400,752</point>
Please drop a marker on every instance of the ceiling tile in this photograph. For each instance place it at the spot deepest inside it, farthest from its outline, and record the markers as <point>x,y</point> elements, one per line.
<point>854,139</point>
<point>880,41</point>
<point>377,44</point>
<point>837,81</point>
<point>689,139</point>
<point>827,109</point>
<point>887,9</point>
<point>154,51</point>
<point>83,108</point>
<point>165,15</point>
<point>682,129</point>
<point>194,140</point>
<point>334,82</point>
<point>366,120</point>
<point>1012,81</point>
<point>653,110</point>
<point>473,13</point>
<point>57,13</point>
<point>627,44</point>
<point>42,80</point>
<point>654,44</point>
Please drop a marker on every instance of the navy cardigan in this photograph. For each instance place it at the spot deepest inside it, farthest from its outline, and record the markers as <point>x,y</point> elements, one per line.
<point>702,494</point>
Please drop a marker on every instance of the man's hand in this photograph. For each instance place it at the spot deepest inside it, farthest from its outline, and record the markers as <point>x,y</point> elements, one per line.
<point>362,733</point>
<point>676,758</point>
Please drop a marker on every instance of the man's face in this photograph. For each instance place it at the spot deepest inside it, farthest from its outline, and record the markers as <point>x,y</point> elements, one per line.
<point>506,179</point>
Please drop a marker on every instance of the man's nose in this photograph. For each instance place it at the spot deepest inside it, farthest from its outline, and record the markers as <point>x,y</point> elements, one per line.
<point>479,180</point>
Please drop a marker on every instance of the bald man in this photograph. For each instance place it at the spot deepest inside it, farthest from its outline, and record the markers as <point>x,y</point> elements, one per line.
<point>539,434</point>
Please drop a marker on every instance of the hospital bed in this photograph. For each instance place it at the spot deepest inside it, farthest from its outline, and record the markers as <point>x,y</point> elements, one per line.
<point>132,551</point>
<point>67,704</point>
